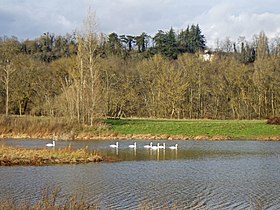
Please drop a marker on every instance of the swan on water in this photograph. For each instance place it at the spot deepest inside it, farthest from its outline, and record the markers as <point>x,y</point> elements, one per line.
<point>155,147</point>
<point>149,145</point>
<point>162,147</point>
<point>51,144</point>
<point>174,147</point>
<point>115,145</point>
<point>132,145</point>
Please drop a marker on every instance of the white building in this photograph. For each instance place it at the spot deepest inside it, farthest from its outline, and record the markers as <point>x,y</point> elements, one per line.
<point>207,56</point>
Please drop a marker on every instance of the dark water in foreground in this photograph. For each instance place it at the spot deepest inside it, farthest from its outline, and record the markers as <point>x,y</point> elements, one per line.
<point>200,174</point>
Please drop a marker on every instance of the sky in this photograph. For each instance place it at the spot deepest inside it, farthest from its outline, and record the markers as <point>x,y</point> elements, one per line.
<point>218,19</point>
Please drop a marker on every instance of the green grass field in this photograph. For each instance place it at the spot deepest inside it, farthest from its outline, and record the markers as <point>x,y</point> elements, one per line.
<point>234,129</point>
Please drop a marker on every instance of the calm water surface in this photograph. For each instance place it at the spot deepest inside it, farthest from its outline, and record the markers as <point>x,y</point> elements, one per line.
<point>200,174</point>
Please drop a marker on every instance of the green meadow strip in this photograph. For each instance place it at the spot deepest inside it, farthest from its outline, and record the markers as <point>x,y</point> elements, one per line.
<point>234,129</point>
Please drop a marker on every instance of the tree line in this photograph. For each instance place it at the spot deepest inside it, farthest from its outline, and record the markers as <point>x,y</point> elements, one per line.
<point>87,75</point>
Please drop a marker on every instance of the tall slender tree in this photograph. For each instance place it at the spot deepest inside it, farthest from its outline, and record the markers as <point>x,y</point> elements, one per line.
<point>262,46</point>
<point>9,48</point>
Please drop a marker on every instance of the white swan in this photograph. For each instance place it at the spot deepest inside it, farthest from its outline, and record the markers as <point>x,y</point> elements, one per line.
<point>155,147</point>
<point>149,145</point>
<point>132,145</point>
<point>115,145</point>
<point>51,144</point>
<point>174,147</point>
<point>162,147</point>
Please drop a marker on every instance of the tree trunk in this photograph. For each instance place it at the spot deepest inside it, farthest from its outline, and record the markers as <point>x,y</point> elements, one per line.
<point>272,104</point>
<point>7,94</point>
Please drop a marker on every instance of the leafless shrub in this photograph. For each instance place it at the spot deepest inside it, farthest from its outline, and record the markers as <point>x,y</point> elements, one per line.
<point>274,121</point>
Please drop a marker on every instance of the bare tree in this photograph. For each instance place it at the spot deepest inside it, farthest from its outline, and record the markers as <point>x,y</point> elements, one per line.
<point>8,50</point>
<point>87,81</point>
<point>7,70</point>
<point>262,46</point>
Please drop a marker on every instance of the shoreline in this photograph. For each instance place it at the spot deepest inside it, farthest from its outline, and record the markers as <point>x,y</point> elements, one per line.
<point>114,136</point>
<point>138,129</point>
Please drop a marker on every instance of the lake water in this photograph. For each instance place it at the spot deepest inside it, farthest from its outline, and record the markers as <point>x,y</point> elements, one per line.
<point>200,174</point>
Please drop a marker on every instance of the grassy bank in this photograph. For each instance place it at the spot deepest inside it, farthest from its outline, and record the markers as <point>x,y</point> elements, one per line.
<point>10,156</point>
<point>45,128</point>
<point>198,129</point>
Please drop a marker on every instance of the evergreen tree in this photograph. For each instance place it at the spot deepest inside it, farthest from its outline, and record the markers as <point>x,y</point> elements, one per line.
<point>128,40</point>
<point>141,42</point>
<point>165,43</point>
<point>114,44</point>
<point>49,47</point>
<point>159,40</point>
<point>199,39</point>
<point>191,40</point>
<point>196,40</point>
<point>182,41</point>
<point>171,50</point>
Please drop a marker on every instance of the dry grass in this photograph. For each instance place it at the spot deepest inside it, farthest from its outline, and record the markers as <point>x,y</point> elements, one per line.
<point>10,156</point>
<point>49,201</point>
<point>34,126</point>
<point>45,127</point>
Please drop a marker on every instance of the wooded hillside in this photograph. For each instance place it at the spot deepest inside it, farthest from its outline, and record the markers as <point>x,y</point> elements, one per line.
<point>87,75</point>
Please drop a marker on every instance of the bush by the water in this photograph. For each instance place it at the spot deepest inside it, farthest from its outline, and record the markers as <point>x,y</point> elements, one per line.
<point>274,121</point>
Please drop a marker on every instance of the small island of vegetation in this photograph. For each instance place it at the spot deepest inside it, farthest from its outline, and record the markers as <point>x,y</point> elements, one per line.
<point>10,156</point>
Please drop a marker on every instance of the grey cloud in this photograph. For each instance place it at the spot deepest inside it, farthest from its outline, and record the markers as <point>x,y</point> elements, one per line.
<point>217,18</point>
<point>134,17</point>
<point>229,20</point>
<point>31,18</point>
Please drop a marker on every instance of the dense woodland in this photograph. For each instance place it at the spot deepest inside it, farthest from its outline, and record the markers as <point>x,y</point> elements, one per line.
<point>86,75</point>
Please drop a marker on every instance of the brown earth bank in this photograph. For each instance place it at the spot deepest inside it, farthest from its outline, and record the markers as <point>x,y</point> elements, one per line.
<point>115,136</point>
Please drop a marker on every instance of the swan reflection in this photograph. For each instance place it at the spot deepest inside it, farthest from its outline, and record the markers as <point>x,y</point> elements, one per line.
<point>137,151</point>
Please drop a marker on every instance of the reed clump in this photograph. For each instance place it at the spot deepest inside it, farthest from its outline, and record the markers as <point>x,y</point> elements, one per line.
<point>10,156</point>
<point>49,200</point>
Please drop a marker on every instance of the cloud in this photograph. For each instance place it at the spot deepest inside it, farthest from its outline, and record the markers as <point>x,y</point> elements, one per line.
<point>228,20</point>
<point>32,18</point>
<point>134,17</point>
<point>217,18</point>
